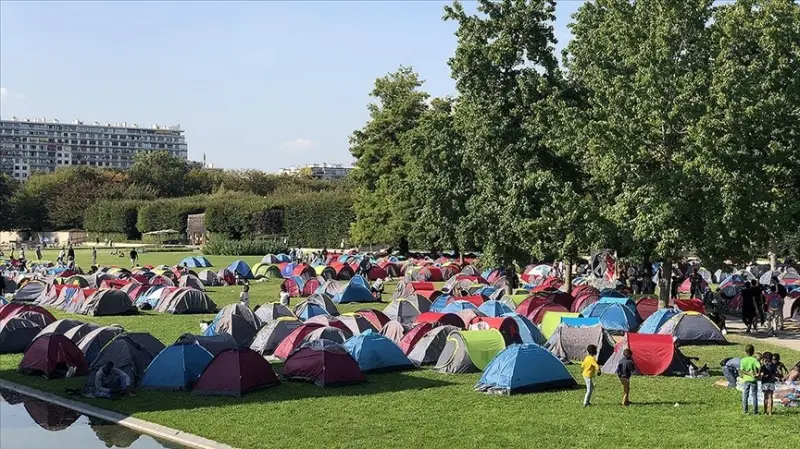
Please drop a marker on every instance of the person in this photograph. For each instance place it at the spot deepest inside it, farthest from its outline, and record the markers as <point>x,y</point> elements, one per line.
<point>769,377</point>
<point>134,256</point>
<point>625,370</point>
<point>110,381</point>
<point>324,255</point>
<point>730,370</point>
<point>794,373</point>
<point>377,289</point>
<point>590,369</point>
<point>284,298</point>
<point>22,252</point>
<point>94,256</point>
<point>776,287</point>
<point>676,275</point>
<point>512,281</point>
<point>61,254</point>
<point>749,370</point>
<point>776,358</point>
<point>696,282</point>
<point>38,252</point>
<point>96,241</point>
<point>244,296</point>
<point>71,263</point>
<point>364,266</point>
<point>632,280</point>
<point>71,252</point>
<point>774,306</point>
<point>750,305</point>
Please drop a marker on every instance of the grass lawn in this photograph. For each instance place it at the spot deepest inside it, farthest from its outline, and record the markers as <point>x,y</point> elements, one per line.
<point>421,408</point>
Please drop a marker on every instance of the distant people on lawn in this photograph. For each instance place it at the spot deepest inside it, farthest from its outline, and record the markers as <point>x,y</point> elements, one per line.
<point>625,370</point>
<point>134,256</point>
<point>590,369</point>
<point>111,381</point>
<point>750,371</point>
<point>38,252</point>
<point>244,296</point>
<point>94,256</point>
<point>284,296</point>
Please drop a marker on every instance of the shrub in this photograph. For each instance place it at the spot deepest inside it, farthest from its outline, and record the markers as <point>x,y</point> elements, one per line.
<point>318,219</point>
<point>231,216</point>
<point>225,247</point>
<point>113,217</point>
<point>169,213</point>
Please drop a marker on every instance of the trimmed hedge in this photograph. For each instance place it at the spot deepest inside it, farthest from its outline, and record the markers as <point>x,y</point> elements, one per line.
<point>231,216</point>
<point>169,213</point>
<point>319,219</point>
<point>116,218</point>
<point>224,247</point>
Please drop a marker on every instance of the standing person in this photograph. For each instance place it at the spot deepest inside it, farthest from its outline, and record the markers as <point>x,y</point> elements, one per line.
<point>776,358</point>
<point>696,282</point>
<point>324,255</point>
<point>730,370</point>
<point>677,275</point>
<point>590,369</point>
<point>134,256</point>
<point>71,252</point>
<point>625,370</point>
<point>769,377</point>
<point>61,254</point>
<point>284,298</point>
<point>38,252</point>
<point>377,289</point>
<point>244,296</point>
<point>94,256</point>
<point>512,281</point>
<point>774,313</point>
<point>22,252</point>
<point>749,307</point>
<point>749,370</point>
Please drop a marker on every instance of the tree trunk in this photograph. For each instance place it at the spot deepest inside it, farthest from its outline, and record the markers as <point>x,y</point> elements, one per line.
<point>773,255</point>
<point>665,284</point>
<point>568,274</point>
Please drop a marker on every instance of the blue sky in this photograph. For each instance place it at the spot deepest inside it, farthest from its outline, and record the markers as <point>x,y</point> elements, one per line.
<point>255,84</point>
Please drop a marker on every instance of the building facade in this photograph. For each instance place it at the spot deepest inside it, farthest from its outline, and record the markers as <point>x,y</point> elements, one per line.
<point>39,145</point>
<point>318,171</point>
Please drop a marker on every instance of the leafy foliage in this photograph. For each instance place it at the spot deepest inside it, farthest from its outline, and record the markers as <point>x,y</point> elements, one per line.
<point>169,213</point>
<point>107,217</point>
<point>260,247</point>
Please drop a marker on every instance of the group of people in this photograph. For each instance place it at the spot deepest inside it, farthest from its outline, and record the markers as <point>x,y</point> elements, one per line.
<point>764,305</point>
<point>591,369</point>
<point>766,368</point>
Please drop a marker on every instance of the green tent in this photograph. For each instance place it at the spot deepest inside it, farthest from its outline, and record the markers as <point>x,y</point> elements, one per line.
<point>551,321</point>
<point>267,270</point>
<point>470,351</point>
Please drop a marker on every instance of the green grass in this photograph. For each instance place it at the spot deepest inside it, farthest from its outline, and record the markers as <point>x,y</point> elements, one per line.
<point>421,408</point>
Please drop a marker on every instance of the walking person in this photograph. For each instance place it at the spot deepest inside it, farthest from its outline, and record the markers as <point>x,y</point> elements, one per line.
<point>244,296</point>
<point>590,369</point>
<point>94,256</point>
<point>769,377</point>
<point>749,370</point>
<point>134,257</point>
<point>749,306</point>
<point>625,370</point>
<point>284,296</point>
<point>38,252</point>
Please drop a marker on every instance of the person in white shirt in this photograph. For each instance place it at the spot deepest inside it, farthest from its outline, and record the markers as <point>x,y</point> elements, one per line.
<point>284,296</point>
<point>244,296</point>
<point>377,289</point>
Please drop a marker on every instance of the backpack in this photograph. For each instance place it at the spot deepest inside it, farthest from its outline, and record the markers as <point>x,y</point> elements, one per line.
<point>774,302</point>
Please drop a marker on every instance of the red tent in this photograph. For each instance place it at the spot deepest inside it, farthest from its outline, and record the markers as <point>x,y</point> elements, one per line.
<point>434,318</point>
<point>294,339</point>
<point>647,306</point>
<point>583,301</point>
<point>15,308</point>
<point>324,363</point>
<point>537,315</point>
<point>114,283</point>
<point>476,300</point>
<point>421,286</point>
<point>291,287</point>
<point>375,317</point>
<point>653,355</point>
<point>430,295</point>
<point>691,305</point>
<point>433,274</point>
<point>531,303</point>
<point>51,356</point>
<point>413,336</point>
<point>235,372</point>
<point>686,285</point>
<point>310,287</point>
<point>327,320</point>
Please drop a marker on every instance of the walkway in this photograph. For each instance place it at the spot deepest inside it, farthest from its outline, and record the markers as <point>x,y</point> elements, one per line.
<point>789,338</point>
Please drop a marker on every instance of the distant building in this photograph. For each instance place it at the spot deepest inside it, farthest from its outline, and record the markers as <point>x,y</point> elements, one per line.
<point>41,145</point>
<point>318,171</point>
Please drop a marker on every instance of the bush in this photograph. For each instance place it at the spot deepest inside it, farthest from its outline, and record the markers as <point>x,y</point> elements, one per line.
<point>225,247</point>
<point>318,219</point>
<point>169,213</point>
<point>160,239</point>
<point>103,236</point>
<point>231,216</point>
<point>113,217</point>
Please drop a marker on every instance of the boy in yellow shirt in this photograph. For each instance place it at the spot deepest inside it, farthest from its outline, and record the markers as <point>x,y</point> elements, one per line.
<point>590,369</point>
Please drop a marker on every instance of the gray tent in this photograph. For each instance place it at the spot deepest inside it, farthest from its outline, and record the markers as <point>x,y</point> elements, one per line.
<point>238,321</point>
<point>406,311</point>
<point>131,353</point>
<point>394,330</point>
<point>271,335</point>
<point>191,281</point>
<point>325,302</point>
<point>430,346</point>
<point>94,341</point>
<point>331,287</point>
<point>791,307</point>
<point>331,333</point>
<point>16,333</point>
<point>208,278</point>
<point>59,327</point>
<point>186,300</point>
<point>569,343</point>
<point>469,351</point>
<point>77,333</point>
<point>213,344</point>
<point>108,302</point>
<point>356,323</point>
<point>30,292</point>
<point>692,328</point>
<point>271,311</point>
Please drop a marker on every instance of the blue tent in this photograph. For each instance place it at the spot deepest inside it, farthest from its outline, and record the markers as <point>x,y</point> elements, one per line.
<point>354,293</point>
<point>195,262</point>
<point>359,280</point>
<point>653,323</point>
<point>494,308</point>
<point>528,331</point>
<point>625,301</point>
<point>176,367</point>
<point>487,291</point>
<point>283,257</point>
<point>309,309</point>
<point>241,267</point>
<point>617,317</point>
<point>580,322</point>
<point>523,369</point>
<point>457,306</point>
<point>611,293</point>
<point>288,270</point>
<point>150,297</point>
<point>374,352</point>
<point>440,303</point>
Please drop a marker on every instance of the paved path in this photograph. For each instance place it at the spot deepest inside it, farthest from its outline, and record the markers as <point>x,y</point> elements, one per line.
<point>789,338</point>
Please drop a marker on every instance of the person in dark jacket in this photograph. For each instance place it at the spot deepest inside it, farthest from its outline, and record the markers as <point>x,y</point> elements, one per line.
<point>696,282</point>
<point>625,370</point>
<point>751,305</point>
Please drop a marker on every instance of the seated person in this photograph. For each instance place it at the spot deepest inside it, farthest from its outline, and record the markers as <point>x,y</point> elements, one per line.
<point>110,381</point>
<point>730,369</point>
<point>377,289</point>
<point>794,374</point>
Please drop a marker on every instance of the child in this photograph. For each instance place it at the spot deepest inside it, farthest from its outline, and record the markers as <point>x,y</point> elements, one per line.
<point>284,296</point>
<point>590,369</point>
<point>769,377</point>
<point>625,370</point>
<point>244,296</point>
<point>782,370</point>
<point>749,370</point>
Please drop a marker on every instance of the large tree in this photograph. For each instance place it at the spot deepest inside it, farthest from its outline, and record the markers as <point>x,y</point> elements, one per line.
<point>7,188</point>
<point>384,200</point>
<point>166,174</point>
<point>506,73</point>
<point>642,68</point>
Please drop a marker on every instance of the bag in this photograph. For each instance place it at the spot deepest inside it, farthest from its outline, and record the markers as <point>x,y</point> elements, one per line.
<point>774,303</point>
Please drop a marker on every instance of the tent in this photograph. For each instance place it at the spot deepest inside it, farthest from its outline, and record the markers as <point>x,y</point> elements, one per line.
<point>569,343</point>
<point>236,320</point>
<point>177,367</point>
<point>151,297</point>
<point>323,362</point>
<point>191,281</point>
<point>264,270</point>
<point>612,316</point>
<point>690,305</point>
<point>538,314</point>
<point>413,336</point>
<point>325,301</point>
<point>130,352</point>
<point>294,285</point>
<point>186,300</point>
<point>580,322</point>
<point>331,333</point>
<point>92,343</point>
<point>406,311</point>
<point>271,311</point>
<point>325,272</point>
<point>469,351</point>
<point>306,310</point>
<point>375,353</point>
<point>528,332</point>
<point>327,320</point>
<point>37,314</point>
<point>354,292</point>
<point>16,333</point>
<point>30,292</point>
<point>53,355</point>
<point>294,339</point>
<point>162,280</point>
<point>653,355</point>
<point>356,323</point>
<point>108,303</point>
<point>450,319</point>
<point>46,415</point>
<point>686,286</point>
<point>552,320</point>
<point>77,333</point>
<point>646,306</point>
<point>495,308</point>
<point>272,334</point>
<point>195,262</point>
<point>395,331</point>
<point>331,287</point>
<point>77,299</point>
<point>59,327</point>
<point>523,369</point>
<point>377,318</point>
<point>692,328</point>
<point>654,322</point>
<point>428,348</point>
<point>235,372</point>
<point>507,326</point>
<point>208,278</point>
<point>457,306</point>
<point>240,267</point>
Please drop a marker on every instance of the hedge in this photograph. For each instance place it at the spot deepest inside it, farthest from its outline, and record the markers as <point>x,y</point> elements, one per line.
<point>231,216</point>
<point>169,213</point>
<point>318,219</point>
<point>225,247</point>
<point>113,218</point>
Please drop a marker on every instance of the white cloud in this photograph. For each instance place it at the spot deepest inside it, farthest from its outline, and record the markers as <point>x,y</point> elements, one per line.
<point>299,144</point>
<point>3,92</point>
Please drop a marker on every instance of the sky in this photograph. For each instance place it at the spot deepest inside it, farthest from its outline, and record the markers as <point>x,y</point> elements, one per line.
<point>255,84</point>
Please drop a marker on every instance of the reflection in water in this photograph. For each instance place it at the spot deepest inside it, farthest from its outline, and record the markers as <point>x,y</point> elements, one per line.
<point>64,427</point>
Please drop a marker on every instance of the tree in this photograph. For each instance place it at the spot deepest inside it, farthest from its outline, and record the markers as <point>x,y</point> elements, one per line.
<point>751,131</point>
<point>506,74</point>
<point>7,188</point>
<point>164,173</point>
<point>384,200</point>
<point>642,67</point>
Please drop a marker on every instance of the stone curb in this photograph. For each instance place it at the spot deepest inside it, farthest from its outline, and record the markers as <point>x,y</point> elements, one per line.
<point>145,427</point>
